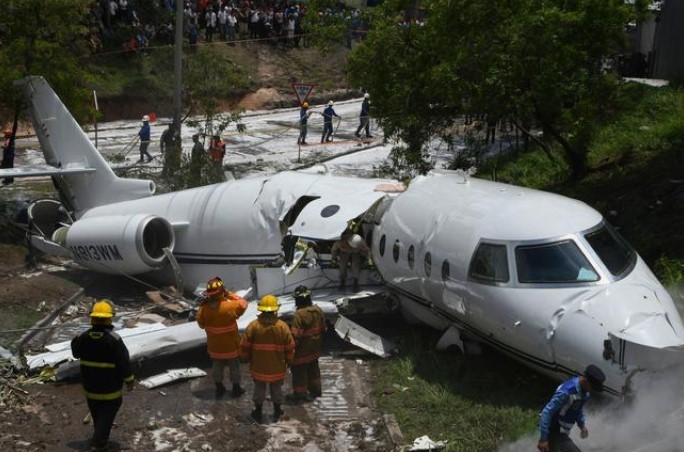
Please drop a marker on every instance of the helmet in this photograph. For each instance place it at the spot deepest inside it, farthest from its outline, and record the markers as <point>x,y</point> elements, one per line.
<point>330,103</point>
<point>102,309</point>
<point>214,286</point>
<point>355,241</point>
<point>146,118</point>
<point>268,303</point>
<point>305,105</point>
<point>366,96</point>
<point>302,291</point>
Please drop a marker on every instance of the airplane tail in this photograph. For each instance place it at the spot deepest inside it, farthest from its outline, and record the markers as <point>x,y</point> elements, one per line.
<point>83,177</point>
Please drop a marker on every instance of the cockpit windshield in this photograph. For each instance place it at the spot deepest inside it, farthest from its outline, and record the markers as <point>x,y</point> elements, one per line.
<point>558,262</point>
<point>615,253</point>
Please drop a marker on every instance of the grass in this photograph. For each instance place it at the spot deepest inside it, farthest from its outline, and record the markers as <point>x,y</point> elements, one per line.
<point>475,403</point>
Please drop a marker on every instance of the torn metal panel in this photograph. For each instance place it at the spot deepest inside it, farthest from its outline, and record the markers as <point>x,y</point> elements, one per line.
<point>172,375</point>
<point>357,335</point>
<point>326,218</point>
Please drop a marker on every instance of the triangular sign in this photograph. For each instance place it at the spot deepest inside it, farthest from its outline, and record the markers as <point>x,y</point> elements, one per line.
<point>302,91</point>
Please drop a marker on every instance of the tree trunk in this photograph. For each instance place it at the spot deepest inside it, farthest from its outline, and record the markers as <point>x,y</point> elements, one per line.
<point>576,158</point>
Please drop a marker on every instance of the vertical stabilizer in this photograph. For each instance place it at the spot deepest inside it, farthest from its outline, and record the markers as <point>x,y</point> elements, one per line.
<point>65,145</point>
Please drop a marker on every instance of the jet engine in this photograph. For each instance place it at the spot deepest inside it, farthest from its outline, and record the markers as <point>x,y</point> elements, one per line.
<point>130,244</point>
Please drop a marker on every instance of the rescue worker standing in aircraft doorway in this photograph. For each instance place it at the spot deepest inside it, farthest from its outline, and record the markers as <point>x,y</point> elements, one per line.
<point>565,410</point>
<point>307,329</point>
<point>268,346</point>
<point>105,366</point>
<point>217,316</point>
<point>350,247</point>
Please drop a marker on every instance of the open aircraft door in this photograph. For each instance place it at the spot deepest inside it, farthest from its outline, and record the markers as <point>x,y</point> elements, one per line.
<point>327,217</point>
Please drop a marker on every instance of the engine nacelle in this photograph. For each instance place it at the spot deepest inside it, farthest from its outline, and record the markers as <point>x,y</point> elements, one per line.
<point>118,244</point>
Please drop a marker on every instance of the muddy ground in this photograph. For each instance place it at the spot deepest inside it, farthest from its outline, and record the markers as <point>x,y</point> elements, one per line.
<point>181,416</point>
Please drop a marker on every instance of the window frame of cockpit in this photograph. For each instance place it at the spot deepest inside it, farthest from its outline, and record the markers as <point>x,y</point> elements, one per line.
<point>634,257</point>
<point>476,279</point>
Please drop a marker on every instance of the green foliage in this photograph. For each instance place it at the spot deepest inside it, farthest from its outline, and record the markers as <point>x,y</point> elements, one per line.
<point>474,402</point>
<point>48,38</point>
<point>535,63</point>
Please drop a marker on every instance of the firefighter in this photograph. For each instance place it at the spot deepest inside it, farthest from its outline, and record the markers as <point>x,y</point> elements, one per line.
<point>144,135</point>
<point>217,316</point>
<point>307,328</point>
<point>350,247</point>
<point>217,150</point>
<point>328,114</point>
<point>304,115</point>
<point>268,346</point>
<point>105,366</point>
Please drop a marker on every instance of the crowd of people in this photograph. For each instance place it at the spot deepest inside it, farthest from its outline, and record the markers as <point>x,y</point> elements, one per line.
<point>272,21</point>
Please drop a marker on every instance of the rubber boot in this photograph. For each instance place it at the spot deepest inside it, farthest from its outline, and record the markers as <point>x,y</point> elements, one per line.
<point>256,413</point>
<point>237,390</point>
<point>220,390</point>
<point>277,411</point>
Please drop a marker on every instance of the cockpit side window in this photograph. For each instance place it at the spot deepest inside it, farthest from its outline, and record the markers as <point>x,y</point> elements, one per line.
<point>615,253</point>
<point>558,262</point>
<point>490,263</point>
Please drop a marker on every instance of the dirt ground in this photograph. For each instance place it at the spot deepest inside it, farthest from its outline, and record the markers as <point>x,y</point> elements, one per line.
<point>181,416</point>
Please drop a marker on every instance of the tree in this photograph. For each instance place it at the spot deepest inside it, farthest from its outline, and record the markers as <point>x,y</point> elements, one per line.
<point>537,62</point>
<point>48,38</point>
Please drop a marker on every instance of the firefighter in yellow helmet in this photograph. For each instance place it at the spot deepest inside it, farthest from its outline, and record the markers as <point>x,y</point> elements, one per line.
<point>307,329</point>
<point>218,316</point>
<point>105,366</point>
<point>350,247</point>
<point>268,346</point>
<point>304,115</point>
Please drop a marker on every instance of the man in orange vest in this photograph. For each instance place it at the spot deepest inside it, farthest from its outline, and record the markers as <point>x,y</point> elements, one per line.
<point>218,316</point>
<point>307,327</point>
<point>268,346</point>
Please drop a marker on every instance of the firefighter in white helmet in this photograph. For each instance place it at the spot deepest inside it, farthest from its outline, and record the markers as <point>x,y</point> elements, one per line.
<point>349,248</point>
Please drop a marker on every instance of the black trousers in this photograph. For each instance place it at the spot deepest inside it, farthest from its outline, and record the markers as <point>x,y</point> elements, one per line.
<point>364,123</point>
<point>560,442</point>
<point>103,413</point>
<point>327,131</point>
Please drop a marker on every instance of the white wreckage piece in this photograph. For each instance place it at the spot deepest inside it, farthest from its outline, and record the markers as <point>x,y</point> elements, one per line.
<point>155,340</point>
<point>172,375</point>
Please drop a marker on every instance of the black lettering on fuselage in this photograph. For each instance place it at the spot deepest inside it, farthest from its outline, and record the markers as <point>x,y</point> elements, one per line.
<point>96,253</point>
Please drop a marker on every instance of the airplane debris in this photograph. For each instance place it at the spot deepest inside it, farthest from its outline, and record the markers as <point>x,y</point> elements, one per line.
<point>172,375</point>
<point>357,335</point>
<point>161,299</point>
<point>425,443</point>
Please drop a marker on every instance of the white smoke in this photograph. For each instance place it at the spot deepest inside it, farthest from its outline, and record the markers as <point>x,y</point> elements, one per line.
<point>649,420</point>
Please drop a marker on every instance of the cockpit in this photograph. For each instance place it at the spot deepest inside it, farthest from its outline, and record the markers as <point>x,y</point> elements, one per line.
<point>579,259</point>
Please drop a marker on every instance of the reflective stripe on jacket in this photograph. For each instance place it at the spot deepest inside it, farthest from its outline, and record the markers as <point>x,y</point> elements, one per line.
<point>105,363</point>
<point>219,321</point>
<point>269,347</point>
<point>307,327</point>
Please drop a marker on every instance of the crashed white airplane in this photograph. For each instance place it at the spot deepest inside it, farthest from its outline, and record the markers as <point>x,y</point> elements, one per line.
<point>538,276</point>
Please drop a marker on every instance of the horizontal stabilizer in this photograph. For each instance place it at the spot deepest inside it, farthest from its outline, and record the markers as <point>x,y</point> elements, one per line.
<point>44,170</point>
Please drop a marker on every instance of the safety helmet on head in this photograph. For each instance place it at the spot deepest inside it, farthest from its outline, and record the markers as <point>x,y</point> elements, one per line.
<point>102,309</point>
<point>302,291</point>
<point>366,96</point>
<point>595,376</point>
<point>268,303</point>
<point>214,286</point>
<point>355,241</point>
<point>330,103</point>
<point>305,104</point>
<point>146,118</point>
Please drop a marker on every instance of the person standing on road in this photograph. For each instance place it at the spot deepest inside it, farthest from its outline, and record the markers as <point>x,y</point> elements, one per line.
<point>304,115</point>
<point>105,366</point>
<point>268,346</point>
<point>364,117</point>
<point>307,329</point>
<point>144,135</point>
<point>8,155</point>
<point>217,316</point>
<point>565,410</point>
<point>328,114</point>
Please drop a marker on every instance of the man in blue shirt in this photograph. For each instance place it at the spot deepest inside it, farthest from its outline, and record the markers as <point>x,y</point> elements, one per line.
<point>328,114</point>
<point>565,410</point>
<point>304,115</point>
<point>144,135</point>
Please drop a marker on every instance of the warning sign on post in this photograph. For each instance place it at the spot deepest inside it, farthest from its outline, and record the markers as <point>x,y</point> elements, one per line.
<point>302,91</point>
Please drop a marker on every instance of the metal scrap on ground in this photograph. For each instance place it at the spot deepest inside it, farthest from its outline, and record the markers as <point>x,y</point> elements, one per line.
<point>172,375</point>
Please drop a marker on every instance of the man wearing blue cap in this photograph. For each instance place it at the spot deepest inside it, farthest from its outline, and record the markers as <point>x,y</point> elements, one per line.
<point>565,410</point>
